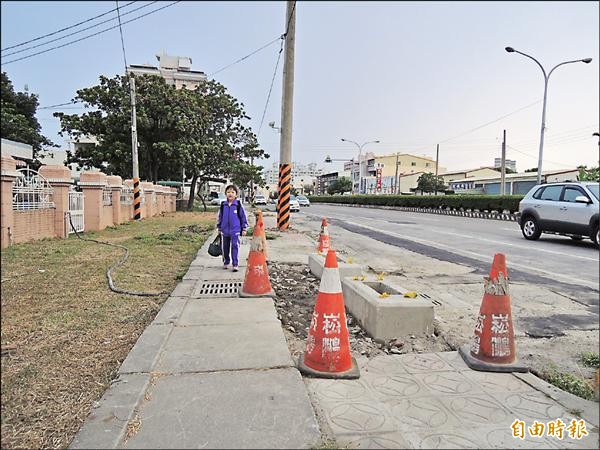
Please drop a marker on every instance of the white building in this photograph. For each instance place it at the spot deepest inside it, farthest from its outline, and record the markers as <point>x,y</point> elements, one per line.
<point>510,163</point>
<point>302,175</point>
<point>176,70</point>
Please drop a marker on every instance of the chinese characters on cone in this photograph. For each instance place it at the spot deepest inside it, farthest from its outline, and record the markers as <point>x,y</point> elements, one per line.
<point>493,345</point>
<point>327,346</point>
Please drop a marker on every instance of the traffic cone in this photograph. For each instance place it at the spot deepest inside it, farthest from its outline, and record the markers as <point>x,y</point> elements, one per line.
<point>328,346</point>
<point>324,244</point>
<point>256,280</point>
<point>259,218</point>
<point>493,345</point>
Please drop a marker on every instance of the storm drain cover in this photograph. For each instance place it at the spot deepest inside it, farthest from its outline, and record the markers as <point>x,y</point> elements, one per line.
<point>221,288</point>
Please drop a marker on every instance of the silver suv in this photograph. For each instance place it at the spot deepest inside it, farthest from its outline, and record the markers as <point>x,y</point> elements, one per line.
<point>566,208</point>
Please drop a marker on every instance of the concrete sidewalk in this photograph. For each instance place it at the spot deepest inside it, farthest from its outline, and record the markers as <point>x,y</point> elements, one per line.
<point>214,371</point>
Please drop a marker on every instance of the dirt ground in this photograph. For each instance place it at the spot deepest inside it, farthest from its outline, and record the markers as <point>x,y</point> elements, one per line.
<point>296,292</point>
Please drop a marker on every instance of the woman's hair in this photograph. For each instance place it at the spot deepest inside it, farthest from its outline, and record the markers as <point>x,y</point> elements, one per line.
<point>234,187</point>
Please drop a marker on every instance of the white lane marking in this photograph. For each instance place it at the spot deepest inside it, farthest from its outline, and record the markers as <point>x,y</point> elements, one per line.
<point>481,257</point>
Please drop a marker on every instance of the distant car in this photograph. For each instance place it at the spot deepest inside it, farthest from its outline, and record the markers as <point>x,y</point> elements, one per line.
<point>294,205</point>
<point>260,200</point>
<point>566,208</point>
<point>220,198</point>
<point>303,201</point>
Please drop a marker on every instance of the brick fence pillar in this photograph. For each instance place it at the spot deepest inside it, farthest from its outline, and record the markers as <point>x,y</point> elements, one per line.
<point>92,183</point>
<point>116,185</point>
<point>8,167</point>
<point>148,188</point>
<point>59,178</point>
<point>173,200</point>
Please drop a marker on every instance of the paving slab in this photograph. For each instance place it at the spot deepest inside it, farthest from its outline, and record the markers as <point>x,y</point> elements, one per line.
<point>184,288</point>
<point>242,409</point>
<point>107,421</point>
<point>435,401</point>
<point>170,310</point>
<point>222,311</point>
<point>225,347</point>
<point>146,350</point>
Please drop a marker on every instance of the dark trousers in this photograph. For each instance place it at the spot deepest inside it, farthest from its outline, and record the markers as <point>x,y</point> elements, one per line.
<point>233,242</point>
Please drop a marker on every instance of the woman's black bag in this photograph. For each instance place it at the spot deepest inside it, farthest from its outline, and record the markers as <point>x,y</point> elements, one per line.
<point>214,249</point>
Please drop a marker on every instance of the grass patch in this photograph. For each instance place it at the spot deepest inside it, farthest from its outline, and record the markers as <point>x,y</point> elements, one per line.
<point>590,359</point>
<point>67,332</point>
<point>569,383</point>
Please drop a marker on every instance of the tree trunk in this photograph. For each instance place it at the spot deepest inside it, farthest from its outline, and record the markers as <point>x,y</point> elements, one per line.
<point>190,205</point>
<point>202,196</point>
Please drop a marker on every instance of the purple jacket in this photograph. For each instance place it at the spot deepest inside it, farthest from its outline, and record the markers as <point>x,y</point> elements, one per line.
<point>230,221</point>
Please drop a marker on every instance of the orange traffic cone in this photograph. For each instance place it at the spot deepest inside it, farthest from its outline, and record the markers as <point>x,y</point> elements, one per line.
<point>493,346</point>
<point>259,218</point>
<point>324,244</point>
<point>327,346</point>
<point>256,280</point>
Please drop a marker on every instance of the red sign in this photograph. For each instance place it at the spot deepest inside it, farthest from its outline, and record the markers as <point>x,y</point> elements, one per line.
<point>378,179</point>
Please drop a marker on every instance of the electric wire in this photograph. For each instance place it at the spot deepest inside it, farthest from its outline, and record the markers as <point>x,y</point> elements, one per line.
<point>270,88</point>
<point>91,35</point>
<point>121,32</point>
<point>245,57</point>
<point>63,29</point>
<point>80,31</point>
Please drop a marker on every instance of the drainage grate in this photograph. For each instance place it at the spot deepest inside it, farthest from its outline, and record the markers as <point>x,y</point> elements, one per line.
<point>221,288</point>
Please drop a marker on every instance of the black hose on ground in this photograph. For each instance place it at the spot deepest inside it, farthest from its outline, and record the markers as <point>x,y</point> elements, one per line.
<point>111,283</point>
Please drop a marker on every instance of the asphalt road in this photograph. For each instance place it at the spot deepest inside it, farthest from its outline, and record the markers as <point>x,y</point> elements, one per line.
<point>551,259</point>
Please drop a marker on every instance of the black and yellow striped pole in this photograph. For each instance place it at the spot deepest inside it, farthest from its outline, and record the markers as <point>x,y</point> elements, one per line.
<point>285,152</point>
<point>137,198</point>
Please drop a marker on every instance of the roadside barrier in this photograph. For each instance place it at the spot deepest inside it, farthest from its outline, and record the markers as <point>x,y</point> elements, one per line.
<point>328,344</point>
<point>492,215</point>
<point>324,241</point>
<point>256,279</point>
<point>493,347</point>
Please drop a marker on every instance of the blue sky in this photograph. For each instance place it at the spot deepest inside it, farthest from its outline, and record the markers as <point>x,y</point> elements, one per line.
<point>410,74</point>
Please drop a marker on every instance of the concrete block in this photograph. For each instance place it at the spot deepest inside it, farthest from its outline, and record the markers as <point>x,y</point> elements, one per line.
<point>390,317</point>
<point>316,263</point>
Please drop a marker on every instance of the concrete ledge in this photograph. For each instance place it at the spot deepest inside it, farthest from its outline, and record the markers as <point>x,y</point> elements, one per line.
<point>144,353</point>
<point>316,263</point>
<point>390,317</point>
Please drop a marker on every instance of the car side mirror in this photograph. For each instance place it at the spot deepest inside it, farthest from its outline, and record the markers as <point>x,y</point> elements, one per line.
<point>582,199</point>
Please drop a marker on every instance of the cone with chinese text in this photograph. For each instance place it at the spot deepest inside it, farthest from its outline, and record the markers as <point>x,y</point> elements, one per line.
<point>256,280</point>
<point>324,243</point>
<point>327,352</point>
<point>259,218</point>
<point>493,347</point>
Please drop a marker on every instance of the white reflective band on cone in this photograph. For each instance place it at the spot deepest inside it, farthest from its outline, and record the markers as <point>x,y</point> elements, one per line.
<point>330,281</point>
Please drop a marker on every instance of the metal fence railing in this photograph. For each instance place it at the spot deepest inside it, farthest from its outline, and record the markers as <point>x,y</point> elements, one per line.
<point>31,191</point>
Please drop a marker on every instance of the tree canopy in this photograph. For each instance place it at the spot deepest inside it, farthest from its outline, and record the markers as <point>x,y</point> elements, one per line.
<point>18,121</point>
<point>339,186</point>
<point>201,131</point>
<point>428,182</point>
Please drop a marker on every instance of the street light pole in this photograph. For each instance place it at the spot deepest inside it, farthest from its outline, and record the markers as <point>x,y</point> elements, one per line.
<point>546,78</point>
<point>360,147</point>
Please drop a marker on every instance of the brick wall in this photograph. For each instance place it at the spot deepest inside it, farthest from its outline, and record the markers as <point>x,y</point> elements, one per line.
<point>31,225</point>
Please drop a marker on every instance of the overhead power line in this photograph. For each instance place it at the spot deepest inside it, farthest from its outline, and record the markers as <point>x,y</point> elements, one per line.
<point>246,57</point>
<point>121,32</point>
<point>64,29</point>
<point>92,35</point>
<point>271,88</point>
<point>80,31</point>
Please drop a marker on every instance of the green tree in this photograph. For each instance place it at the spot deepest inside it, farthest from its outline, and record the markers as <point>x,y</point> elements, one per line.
<point>506,170</point>
<point>341,185</point>
<point>591,174</point>
<point>428,182</point>
<point>162,118</point>
<point>18,121</point>
<point>533,169</point>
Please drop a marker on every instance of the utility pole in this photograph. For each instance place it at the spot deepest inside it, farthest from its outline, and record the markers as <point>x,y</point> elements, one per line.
<point>134,149</point>
<point>437,157</point>
<point>503,166</point>
<point>287,108</point>
<point>396,176</point>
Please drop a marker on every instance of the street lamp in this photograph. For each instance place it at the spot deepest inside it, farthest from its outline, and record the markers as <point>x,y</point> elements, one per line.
<point>360,147</point>
<point>546,77</point>
<point>598,135</point>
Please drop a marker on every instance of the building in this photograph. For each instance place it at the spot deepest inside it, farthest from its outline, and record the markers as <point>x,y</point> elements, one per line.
<point>302,175</point>
<point>509,163</point>
<point>176,70</point>
<point>20,152</point>
<point>514,183</point>
<point>469,173</point>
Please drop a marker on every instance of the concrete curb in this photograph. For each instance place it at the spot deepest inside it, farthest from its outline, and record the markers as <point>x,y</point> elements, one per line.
<point>493,215</point>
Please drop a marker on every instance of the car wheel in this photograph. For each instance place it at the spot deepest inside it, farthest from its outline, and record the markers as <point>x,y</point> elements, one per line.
<point>530,228</point>
<point>596,236</point>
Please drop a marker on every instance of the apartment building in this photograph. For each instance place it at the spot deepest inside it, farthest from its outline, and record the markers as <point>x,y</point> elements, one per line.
<point>176,70</point>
